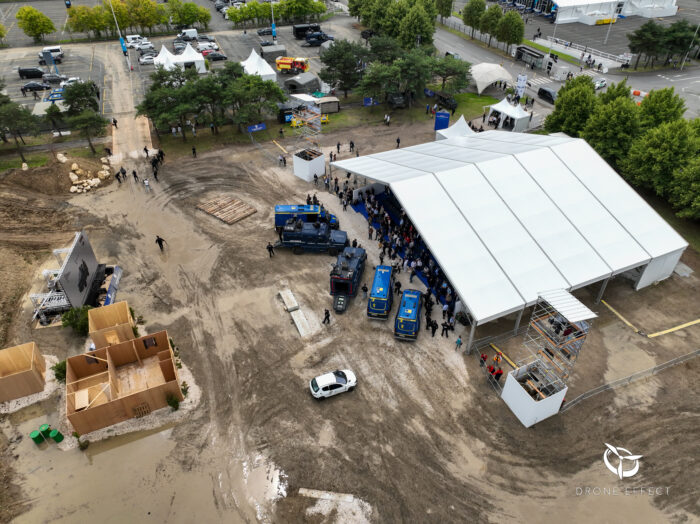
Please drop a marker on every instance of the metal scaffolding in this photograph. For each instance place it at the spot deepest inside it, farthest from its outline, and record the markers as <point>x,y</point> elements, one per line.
<point>309,116</point>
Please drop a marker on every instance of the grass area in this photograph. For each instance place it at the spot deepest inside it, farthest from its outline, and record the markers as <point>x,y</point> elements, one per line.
<point>688,229</point>
<point>545,49</point>
<point>472,105</point>
<point>84,152</point>
<point>475,41</point>
<point>15,162</point>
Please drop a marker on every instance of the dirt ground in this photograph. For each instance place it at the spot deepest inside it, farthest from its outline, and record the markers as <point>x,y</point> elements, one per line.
<point>422,439</point>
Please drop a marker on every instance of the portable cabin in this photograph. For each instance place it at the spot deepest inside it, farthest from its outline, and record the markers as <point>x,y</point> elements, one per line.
<point>381,296</point>
<point>407,323</point>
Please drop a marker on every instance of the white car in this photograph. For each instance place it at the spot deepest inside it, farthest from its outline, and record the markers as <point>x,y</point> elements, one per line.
<point>70,81</point>
<point>140,46</point>
<point>600,83</point>
<point>146,59</point>
<point>334,383</point>
<point>204,46</point>
<point>134,40</point>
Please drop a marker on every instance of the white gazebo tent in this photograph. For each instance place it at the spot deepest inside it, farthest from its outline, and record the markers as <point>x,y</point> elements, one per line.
<point>188,58</point>
<point>593,12</point>
<point>255,65</point>
<point>485,74</point>
<point>521,118</point>
<point>164,58</point>
<point>459,128</point>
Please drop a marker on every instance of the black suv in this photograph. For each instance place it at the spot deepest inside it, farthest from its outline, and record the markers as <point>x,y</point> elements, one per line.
<point>445,100</point>
<point>396,100</point>
<point>30,72</point>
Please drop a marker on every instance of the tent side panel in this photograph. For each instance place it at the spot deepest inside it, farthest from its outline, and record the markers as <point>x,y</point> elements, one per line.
<point>658,269</point>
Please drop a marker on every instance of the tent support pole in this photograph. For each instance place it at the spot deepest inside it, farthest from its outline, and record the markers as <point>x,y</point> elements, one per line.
<point>602,290</point>
<point>471,338</point>
<point>517,322</point>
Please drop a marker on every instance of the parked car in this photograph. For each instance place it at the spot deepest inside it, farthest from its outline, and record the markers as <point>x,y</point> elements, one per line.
<point>205,38</point>
<point>143,46</point>
<point>266,43</point>
<point>30,72</point>
<point>600,83</point>
<point>72,80</point>
<point>334,383</point>
<point>213,46</point>
<point>265,31</point>
<point>179,45</point>
<point>546,94</point>
<point>147,59</point>
<point>36,86</point>
<point>215,56</point>
<point>133,41</point>
<point>53,78</point>
<point>147,51</point>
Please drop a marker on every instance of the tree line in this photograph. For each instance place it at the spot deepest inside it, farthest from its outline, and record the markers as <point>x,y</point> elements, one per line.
<point>385,68</point>
<point>81,100</point>
<point>650,144</point>
<point>260,13</point>
<point>654,41</point>
<point>410,22</point>
<point>226,95</point>
<point>508,29</point>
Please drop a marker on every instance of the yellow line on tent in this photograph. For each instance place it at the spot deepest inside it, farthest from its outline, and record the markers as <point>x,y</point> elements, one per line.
<point>283,149</point>
<point>619,316</point>
<point>671,330</point>
<point>512,364</point>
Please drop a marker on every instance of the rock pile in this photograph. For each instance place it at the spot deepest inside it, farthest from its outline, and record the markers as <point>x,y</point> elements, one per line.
<point>83,181</point>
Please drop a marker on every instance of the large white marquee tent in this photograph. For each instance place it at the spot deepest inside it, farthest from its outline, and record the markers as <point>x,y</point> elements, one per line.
<point>508,215</point>
<point>255,65</point>
<point>592,12</point>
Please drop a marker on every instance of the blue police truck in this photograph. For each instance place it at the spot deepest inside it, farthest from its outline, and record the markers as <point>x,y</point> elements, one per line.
<point>309,214</point>
<point>407,323</point>
<point>311,237</point>
<point>346,275</point>
<point>381,296</point>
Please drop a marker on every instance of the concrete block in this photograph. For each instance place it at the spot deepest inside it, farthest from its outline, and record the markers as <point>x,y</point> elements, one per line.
<point>290,303</point>
<point>302,324</point>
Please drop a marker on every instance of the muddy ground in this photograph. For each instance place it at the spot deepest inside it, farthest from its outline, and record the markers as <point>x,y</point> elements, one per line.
<point>422,439</point>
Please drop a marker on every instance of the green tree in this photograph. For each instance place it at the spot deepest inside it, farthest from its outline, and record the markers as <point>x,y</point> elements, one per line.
<point>453,70</point>
<point>203,16</point>
<point>619,90</point>
<point>684,194</point>
<point>384,49</point>
<point>415,71</point>
<point>583,81</point>
<point>252,97</point>
<point>661,105</point>
<point>679,37</point>
<point>144,13</point>
<point>472,13</point>
<point>79,97</point>
<point>3,32</point>
<point>511,29</point>
<point>572,110</point>
<point>121,11</point>
<point>444,8</point>
<point>90,123</point>
<point>416,26</point>
<point>17,120</point>
<point>77,319</point>
<point>54,115</point>
<point>395,12</point>
<point>79,19</point>
<point>342,65</point>
<point>658,153</point>
<point>649,39</point>
<point>34,23</point>
<point>488,23</point>
<point>355,7</point>
<point>612,128</point>
<point>379,80</point>
<point>373,14</point>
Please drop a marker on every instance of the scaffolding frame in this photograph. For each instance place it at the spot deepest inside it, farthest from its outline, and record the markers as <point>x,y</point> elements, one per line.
<point>309,115</point>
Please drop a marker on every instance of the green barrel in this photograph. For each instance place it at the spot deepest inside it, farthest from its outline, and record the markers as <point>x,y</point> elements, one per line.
<point>37,437</point>
<point>56,435</point>
<point>45,430</point>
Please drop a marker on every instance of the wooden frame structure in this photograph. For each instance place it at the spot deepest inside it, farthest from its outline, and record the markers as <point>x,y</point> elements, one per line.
<point>119,382</point>
<point>111,325</point>
<point>22,371</point>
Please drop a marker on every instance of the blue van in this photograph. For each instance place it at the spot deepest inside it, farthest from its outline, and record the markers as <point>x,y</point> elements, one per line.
<point>308,214</point>
<point>381,296</point>
<point>407,323</point>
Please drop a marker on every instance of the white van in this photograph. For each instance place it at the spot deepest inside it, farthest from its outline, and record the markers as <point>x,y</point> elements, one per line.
<point>56,52</point>
<point>188,34</point>
<point>133,38</point>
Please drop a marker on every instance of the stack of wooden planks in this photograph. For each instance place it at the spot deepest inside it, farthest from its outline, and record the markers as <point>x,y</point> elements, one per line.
<point>227,209</point>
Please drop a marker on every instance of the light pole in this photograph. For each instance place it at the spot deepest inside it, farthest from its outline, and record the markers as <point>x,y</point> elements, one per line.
<point>274,29</point>
<point>690,47</point>
<point>121,40</point>
<point>612,21</point>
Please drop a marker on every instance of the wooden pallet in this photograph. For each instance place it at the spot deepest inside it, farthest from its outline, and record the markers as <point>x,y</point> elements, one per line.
<point>227,209</point>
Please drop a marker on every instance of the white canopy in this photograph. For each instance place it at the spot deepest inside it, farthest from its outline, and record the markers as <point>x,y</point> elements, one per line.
<point>485,74</point>
<point>508,215</point>
<point>459,128</point>
<point>255,65</point>
<point>521,118</point>
<point>188,58</point>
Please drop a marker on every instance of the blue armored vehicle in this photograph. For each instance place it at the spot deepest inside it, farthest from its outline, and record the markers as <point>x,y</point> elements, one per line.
<point>318,236</point>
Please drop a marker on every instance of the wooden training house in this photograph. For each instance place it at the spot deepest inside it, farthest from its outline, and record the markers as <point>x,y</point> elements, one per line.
<point>116,383</point>
<point>111,325</point>
<point>22,371</point>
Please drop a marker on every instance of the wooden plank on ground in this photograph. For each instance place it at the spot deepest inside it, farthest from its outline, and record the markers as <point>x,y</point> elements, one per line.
<point>227,209</point>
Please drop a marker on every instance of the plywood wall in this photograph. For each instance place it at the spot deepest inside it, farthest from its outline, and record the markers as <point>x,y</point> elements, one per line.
<point>22,370</point>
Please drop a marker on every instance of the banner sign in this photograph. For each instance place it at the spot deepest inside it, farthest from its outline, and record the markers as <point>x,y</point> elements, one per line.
<point>257,127</point>
<point>442,120</point>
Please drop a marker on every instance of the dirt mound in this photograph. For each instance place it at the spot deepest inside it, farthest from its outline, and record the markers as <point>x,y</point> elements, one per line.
<point>53,178</point>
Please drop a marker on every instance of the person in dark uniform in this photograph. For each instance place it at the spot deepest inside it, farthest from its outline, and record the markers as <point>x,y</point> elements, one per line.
<point>270,249</point>
<point>434,327</point>
<point>326,317</point>
<point>160,241</point>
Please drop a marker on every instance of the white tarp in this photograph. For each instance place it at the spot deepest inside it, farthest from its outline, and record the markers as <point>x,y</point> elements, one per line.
<point>508,215</point>
<point>459,128</point>
<point>485,74</point>
<point>255,65</point>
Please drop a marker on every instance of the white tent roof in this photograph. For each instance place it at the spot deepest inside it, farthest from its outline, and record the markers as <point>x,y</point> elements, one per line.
<point>509,214</point>
<point>514,111</point>
<point>459,128</point>
<point>578,3</point>
<point>188,55</point>
<point>164,58</point>
<point>567,305</point>
<point>255,65</point>
<point>485,74</point>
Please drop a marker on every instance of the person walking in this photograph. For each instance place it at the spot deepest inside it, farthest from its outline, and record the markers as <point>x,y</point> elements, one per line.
<point>497,374</point>
<point>370,230</point>
<point>136,177</point>
<point>482,360</point>
<point>161,156</point>
<point>434,327</point>
<point>155,174</point>
<point>284,161</point>
<point>445,330</point>
<point>36,95</point>
<point>397,287</point>
<point>24,91</point>
<point>118,177</point>
<point>388,120</point>
<point>364,291</point>
<point>114,123</point>
<point>160,241</point>
<point>145,150</point>
<point>146,185</point>
<point>270,249</point>
<point>427,109</point>
<point>444,311</point>
<point>458,343</point>
<point>108,151</point>
<point>497,358</point>
<point>398,142</point>
<point>381,259</point>
<point>352,146</point>
<point>326,317</point>
<point>345,205</point>
<point>338,147</point>
<point>315,180</point>
<point>194,152</point>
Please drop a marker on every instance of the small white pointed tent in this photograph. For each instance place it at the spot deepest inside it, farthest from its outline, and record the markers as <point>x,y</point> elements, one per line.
<point>459,128</point>
<point>486,74</point>
<point>255,65</point>
<point>164,58</point>
<point>188,58</point>
<point>521,118</point>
